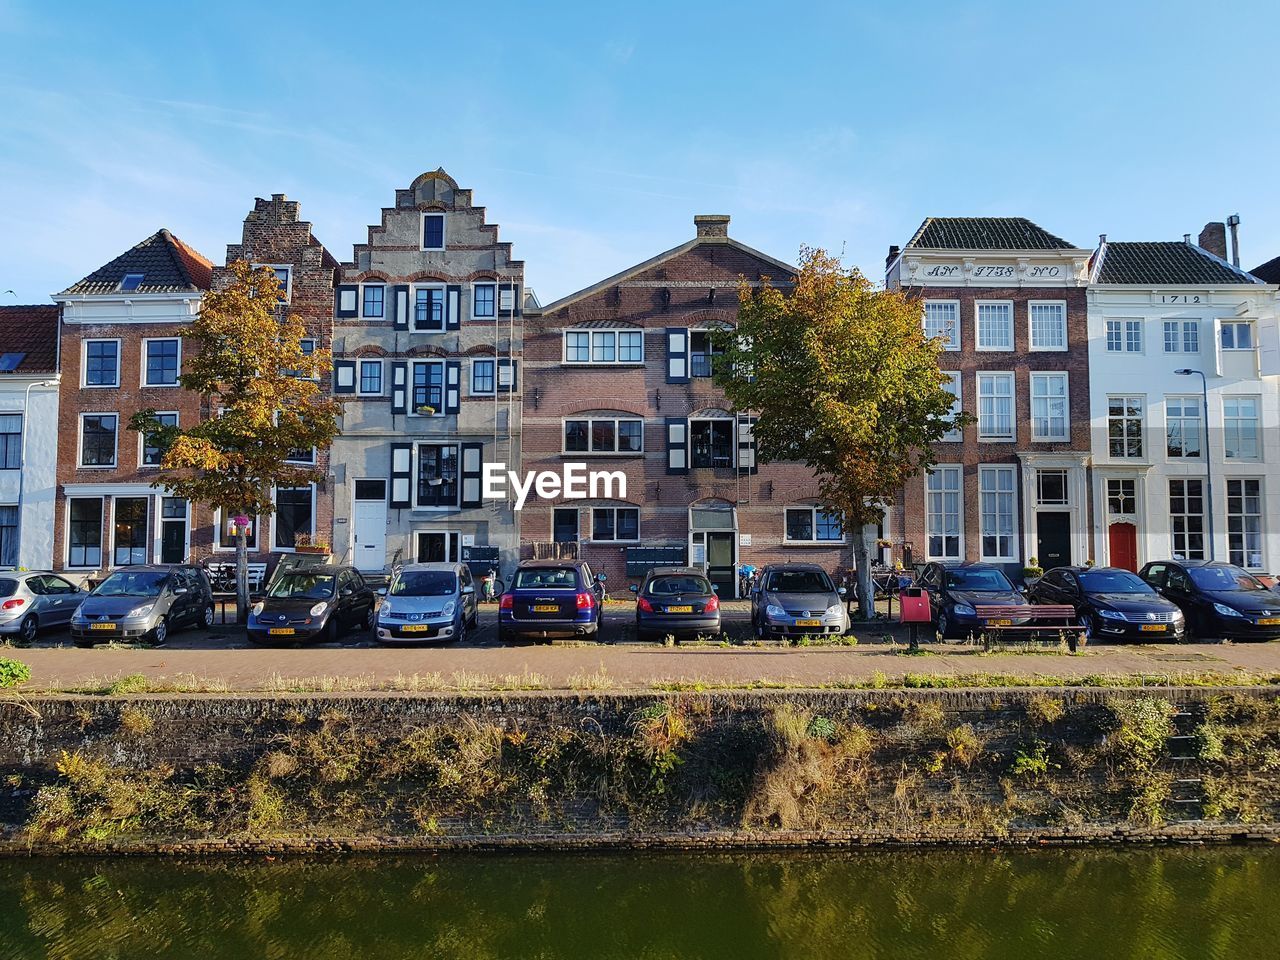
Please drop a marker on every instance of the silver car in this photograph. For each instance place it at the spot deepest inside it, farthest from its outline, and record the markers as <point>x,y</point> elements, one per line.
<point>144,603</point>
<point>795,600</point>
<point>428,601</point>
<point>32,600</point>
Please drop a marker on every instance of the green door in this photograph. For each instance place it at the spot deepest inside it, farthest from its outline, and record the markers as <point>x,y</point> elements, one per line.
<point>720,562</point>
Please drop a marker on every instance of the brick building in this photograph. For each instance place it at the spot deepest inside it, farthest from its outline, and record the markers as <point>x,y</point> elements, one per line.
<point>1009,299</point>
<point>428,321</point>
<point>618,377</point>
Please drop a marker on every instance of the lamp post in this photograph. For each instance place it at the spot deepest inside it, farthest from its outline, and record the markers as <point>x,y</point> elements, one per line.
<point>1208,460</point>
<point>22,462</point>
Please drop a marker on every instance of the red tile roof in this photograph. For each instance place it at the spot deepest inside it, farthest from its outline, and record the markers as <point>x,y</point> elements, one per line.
<point>165,263</point>
<point>31,330</point>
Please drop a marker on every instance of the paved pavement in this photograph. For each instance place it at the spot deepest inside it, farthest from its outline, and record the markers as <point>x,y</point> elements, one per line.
<point>224,659</point>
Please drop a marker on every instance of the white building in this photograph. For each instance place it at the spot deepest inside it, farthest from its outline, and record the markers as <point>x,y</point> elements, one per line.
<point>1167,480</point>
<point>28,425</point>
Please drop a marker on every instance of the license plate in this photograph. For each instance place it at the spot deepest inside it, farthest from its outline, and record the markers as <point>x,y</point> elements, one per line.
<point>808,623</point>
<point>684,609</point>
<point>1269,621</point>
<point>415,628</point>
<point>102,626</point>
<point>546,608</point>
<point>1153,628</point>
<point>282,631</point>
<point>1000,623</point>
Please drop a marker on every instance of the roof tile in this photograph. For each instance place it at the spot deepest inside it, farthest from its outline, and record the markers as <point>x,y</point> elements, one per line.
<point>985,233</point>
<point>1169,262</point>
<point>166,263</point>
<point>31,330</point>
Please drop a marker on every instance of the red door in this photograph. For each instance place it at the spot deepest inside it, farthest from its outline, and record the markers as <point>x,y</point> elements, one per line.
<point>1123,541</point>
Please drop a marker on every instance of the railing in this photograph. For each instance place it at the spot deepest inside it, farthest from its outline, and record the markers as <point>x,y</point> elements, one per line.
<point>554,550</point>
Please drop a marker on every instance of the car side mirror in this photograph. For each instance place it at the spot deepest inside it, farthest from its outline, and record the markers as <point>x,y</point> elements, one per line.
<point>346,591</point>
<point>634,588</point>
<point>178,591</point>
<point>381,591</point>
<point>714,588</point>
<point>468,589</point>
<point>841,591</point>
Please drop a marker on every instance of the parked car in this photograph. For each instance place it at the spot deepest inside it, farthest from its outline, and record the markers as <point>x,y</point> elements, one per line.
<point>551,598</point>
<point>144,602</point>
<point>428,601</point>
<point>679,601</point>
<point>1110,602</point>
<point>797,599</point>
<point>31,601</point>
<point>1218,599</point>
<point>957,589</point>
<point>315,602</point>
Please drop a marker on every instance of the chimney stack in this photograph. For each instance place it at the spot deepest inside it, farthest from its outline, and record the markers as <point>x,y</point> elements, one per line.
<point>894,250</point>
<point>1233,222</point>
<point>1214,239</point>
<point>1102,239</point>
<point>712,224</point>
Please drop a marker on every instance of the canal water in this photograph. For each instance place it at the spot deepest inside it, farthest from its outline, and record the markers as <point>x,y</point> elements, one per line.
<point>941,905</point>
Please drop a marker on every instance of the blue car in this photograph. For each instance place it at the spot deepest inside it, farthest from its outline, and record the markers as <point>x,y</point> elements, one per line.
<point>551,598</point>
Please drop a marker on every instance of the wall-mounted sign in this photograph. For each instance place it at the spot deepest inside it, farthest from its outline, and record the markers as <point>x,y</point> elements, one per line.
<point>744,539</point>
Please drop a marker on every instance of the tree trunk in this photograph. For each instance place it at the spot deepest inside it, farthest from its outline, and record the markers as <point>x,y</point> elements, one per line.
<point>862,557</point>
<point>242,576</point>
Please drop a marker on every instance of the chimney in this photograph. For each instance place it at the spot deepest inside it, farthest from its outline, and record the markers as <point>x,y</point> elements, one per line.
<point>1214,239</point>
<point>712,224</point>
<point>1233,222</point>
<point>1102,239</point>
<point>894,250</point>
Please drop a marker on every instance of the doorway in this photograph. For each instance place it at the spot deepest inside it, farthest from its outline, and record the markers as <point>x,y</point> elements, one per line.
<point>721,566</point>
<point>1053,538</point>
<point>436,547</point>
<point>173,530</point>
<point>369,526</point>
<point>1122,542</point>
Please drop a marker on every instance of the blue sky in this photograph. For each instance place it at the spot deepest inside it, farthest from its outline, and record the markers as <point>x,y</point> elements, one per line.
<point>594,132</point>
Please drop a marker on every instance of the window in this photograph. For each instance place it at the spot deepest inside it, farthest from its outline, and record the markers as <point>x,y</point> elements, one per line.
<point>84,532</point>
<point>1240,427</point>
<point>224,531</point>
<point>482,302</point>
<point>161,362</point>
<point>615,523</point>
<point>1049,417</point>
<point>1122,499</point>
<point>307,347</point>
<point>10,441</point>
<point>370,378</point>
<point>1048,325</point>
<point>1051,488</point>
<point>597,435</point>
<point>433,231</point>
<point>295,514</point>
<point>307,456</point>
<point>428,308</point>
<point>9,536</point>
<point>813,525</point>
<point>129,526</point>
<point>283,275</point>
<point>374,301</point>
<point>1182,427</point>
<point>98,439</point>
<point>1186,518</point>
<point>1182,336</point>
<point>604,346</point>
<point>152,451</point>
<point>995,406</point>
<point>1124,427</point>
<point>712,442</point>
<point>482,374</point>
<point>1124,336</point>
<point>996,494</point>
<point>701,353</point>
<point>995,325</point>
<point>1237,336</point>
<point>943,519</point>
<point>953,387</point>
<point>942,319</point>
<point>437,475</point>
<point>102,363</point>
<point>131,282</point>
<point>428,388</point>
<point>564,525</point>
<point>1244,523</point>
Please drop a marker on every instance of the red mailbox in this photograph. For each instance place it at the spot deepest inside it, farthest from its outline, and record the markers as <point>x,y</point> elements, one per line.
<point>913,606</point>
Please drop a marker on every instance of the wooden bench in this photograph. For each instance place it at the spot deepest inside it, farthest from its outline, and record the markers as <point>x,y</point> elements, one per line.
<point>257,572</point>
<point>997,623</point>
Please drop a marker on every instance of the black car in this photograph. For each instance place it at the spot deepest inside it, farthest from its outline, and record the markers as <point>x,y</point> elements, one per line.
<point>1219,600</point>
<point>676,600</point>
<point>314,602</point>
<point>956,589</point>
<point>1111,603</point>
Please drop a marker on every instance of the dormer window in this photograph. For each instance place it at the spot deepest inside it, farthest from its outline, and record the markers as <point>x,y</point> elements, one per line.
<point>131,282</point>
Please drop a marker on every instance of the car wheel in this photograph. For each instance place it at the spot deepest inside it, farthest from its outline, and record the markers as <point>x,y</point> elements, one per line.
<point>944,625</point>
<point>757,629</point>
<point>502,636</point>
<point>160,632</point>
<point>1090,627</point>
<point>460,630</point>
<point>331,631</point>
<point>30,627</point>
<point>82,641</point>
<point>371,618</point>
<point>206,616</point>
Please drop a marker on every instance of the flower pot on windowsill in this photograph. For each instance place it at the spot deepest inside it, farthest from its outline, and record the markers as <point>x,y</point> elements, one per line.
<point>311,549</point>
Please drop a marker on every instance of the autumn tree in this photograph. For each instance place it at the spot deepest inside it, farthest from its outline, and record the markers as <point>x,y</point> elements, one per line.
<point>843,380</point>
<point>262,401</point>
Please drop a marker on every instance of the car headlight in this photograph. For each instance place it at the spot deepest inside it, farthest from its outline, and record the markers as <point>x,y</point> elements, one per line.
<point>1111,614</point>
<point>773,610</point>
<point>257,608</point>
<point>965,610</point>
<point>835,609</point>
<point>1177,615</point>
<point>1226,611</point>
<point>318,609</point>
<point>449,607</point>
<point>385,607</point>
<point>141,611</point>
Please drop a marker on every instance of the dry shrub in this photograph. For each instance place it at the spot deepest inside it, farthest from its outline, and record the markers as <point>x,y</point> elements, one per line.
<point>279,764</point>
<point>795,772</point>
<point>135,722</point>
<point>964,744</point>
<point>1043,710</point>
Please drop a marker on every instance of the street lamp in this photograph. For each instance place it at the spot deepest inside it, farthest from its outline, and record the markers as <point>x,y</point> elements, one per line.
<point>22,461</point>
<point>1208,460</point>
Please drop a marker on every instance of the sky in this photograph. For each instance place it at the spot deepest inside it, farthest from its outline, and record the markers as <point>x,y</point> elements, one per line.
<point>594,132</point>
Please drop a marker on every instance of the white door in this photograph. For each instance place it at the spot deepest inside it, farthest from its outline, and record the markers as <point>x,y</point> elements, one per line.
<point>369,546</point>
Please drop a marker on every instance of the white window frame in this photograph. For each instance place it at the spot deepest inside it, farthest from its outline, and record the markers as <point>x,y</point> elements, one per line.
<point>288,282</point>
<point>978,304</point>
<point>1186,515</point>
<point>102,535</point>
<point>1044,375</point>
<point>84,363</point>
<point>1125,326</point>
<point>415,467</point>
<point>813,510</point>
<point>276,513</point>
<point>1262,522</point>
<point>382,377</point>
<point>955,388</point>
<point>1256,419</point>
<point>1181,418</point>
<point>471,378</point>
<point>1012,436</point>
<point>1179,327</point>
<point>953,343</point>
<point>115,457</point>
<point>1144,453</point>
<point>444,388</point>
<point>142,374</point>
<point>444,230</point>
<point>591,421</point>
<point>385,287</point>
<point>1253,335</point>
<point>614,510</point>
<point>251,542</point>
<point>493,284</point>
<point>1031,326</point>
<point>591,333</point>
<point>958,469</point>
<point>444,308</point>
<point>142,440</point>
<point>1000,470</point>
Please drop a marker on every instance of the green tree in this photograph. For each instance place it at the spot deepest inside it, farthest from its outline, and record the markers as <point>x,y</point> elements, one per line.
<point>262,400</point>
<point>844,381</point>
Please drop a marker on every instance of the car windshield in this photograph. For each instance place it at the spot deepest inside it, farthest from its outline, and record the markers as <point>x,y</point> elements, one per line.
<point>1113,581</point>
<point>303,586</point>
<point>547,578</point>
<point>8,587</point>
<point>124,583</point>
<point>424,583</point>
<point>1224,579</point>
<point>670,586</point>
<point>799,581</point>
<point>992,580</point>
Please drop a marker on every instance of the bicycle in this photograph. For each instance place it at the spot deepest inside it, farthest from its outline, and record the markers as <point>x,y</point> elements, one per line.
<point>746,579</point>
